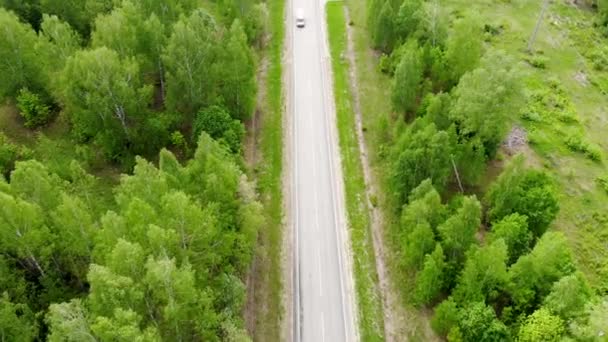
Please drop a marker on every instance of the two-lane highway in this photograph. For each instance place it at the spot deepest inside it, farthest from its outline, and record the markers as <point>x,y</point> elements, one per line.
<point>322,280</point>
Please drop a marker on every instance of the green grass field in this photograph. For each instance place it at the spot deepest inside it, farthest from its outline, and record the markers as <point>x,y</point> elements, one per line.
<point>368,300</point>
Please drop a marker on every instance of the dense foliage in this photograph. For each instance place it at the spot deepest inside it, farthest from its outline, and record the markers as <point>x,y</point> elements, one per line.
<point>162,253</point>
<point>165,263</point>
<point>114,66</point>
<point>492,269</point>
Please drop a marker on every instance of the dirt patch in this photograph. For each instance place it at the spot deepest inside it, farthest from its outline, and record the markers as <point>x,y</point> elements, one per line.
<point>516,141</point>
<point>581,78</point>
<point>582,4</point>
<point>252,125</point>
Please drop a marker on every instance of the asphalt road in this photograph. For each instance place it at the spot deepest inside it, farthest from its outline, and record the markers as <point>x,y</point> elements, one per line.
<point>323,296</point>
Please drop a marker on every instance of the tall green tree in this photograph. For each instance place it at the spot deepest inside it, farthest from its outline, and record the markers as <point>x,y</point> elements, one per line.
<point>72,11</point>
<point>68,322</point>
<point>569,296</point>
<point>513,230</point>
<point>445,317</point>
<point>75,227</point>
<point>487,98</point>
<point>416,245</point>
<point>463,47</point>
<point>27,10</point>
<point>78,13</point>
<point>532,276</point>
<point>128,31</point>
<point>407,20</point>
<point>433,22</point>
<point>236,74</point>
<point>17,321</point>
<point>458,232</point>
<point>406,84</point>
<point>478,322</point>
<point>541,326</point>
<point>424,206</point>
<point>20,63</point>
<point>120,30</point>
<point>430,281</point>
<point>418,155</point>
<point>527,192</point>
<point>24,234</point>
<point>105,98</point>
<point>383,30</point>
<point>61,42</point>
<point>167,11</point>
<point>189,57</point>
<point>484,275</point>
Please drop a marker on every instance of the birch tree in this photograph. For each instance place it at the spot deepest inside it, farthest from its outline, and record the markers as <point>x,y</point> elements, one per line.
<point>189,57</point>
<point>105,97</point>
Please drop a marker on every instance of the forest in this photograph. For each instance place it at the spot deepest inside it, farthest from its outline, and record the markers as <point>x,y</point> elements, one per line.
<point>481,252</point>
<point>155,90</point>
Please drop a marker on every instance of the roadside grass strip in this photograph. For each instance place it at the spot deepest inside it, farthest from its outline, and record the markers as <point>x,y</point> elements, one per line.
<point>368,300</point>
<point>269,180</point>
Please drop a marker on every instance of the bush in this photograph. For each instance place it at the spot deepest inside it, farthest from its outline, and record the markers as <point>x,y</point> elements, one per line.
<point>539,62</point>
<point>385,65</point>
<point>33,109</point>
<point>598,57</point>
<point>577,144</point>
<point>541,326</point>
<point>527,192</point>
<point>217,122</point>
<point>177,139</point>
<point>255,24</point>
<point>9,154</point>
<point>445,317</point>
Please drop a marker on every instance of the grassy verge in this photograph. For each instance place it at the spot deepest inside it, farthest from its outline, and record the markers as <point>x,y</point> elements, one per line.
<point>370,308</point>
<point>268,300</point>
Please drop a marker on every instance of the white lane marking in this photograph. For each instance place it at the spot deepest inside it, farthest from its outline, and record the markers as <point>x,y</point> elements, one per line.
<point>319,264</point>
<point>315,189</point>
<point>322,327</point>
<point>330,148</point>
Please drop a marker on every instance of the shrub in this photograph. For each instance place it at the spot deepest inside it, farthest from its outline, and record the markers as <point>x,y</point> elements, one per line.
<point>177,139</point>
<point>33,109</point>
<point>9,154</point>
<point>385,64</point>
<point>539,62</point>
<point>527,192</point>
<point>445,317</point>
<point>602,181</point>
<point>577,144</point>
<point>217,122</point>
<point>598,57</point>
<point>541,326</point>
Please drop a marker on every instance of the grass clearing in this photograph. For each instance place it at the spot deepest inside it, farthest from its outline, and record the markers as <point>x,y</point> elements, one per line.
<point>368,300</point>
<point>269,310</point>
<point>567,114</point>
